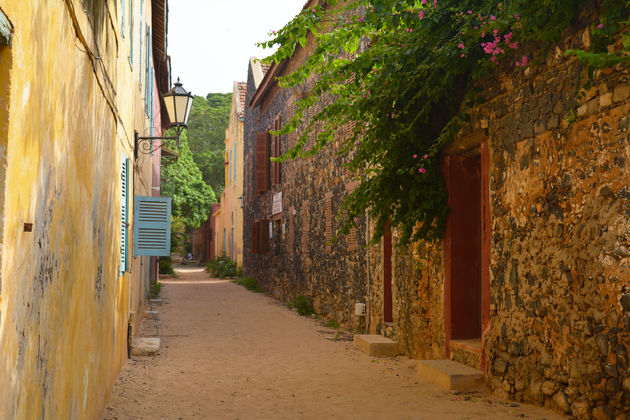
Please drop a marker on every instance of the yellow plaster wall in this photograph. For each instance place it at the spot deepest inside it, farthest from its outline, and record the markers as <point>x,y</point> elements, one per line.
<point>64,309</point>
<point>231,214</point>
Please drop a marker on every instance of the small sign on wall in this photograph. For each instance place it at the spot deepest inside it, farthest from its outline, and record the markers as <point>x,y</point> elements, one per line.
<point>276,206</point>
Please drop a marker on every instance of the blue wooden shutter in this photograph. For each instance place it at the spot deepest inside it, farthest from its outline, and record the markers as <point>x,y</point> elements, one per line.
<point>124,215</point>
<point>152,226</point>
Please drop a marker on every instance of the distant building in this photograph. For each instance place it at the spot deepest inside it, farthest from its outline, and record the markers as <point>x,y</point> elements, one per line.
<point>204,247</point>
<point>229,218</point>
<point>78,79</point>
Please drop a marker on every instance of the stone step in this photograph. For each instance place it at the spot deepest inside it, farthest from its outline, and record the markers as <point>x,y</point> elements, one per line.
<point>452,376</point>
<point>156,302</point>
<point>467,352</point>
<point>375,345</point>
<point>145,346</point>
<point>151,314</point>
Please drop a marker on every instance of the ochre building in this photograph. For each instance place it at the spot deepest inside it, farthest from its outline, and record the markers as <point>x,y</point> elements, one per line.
<point>77,80</point>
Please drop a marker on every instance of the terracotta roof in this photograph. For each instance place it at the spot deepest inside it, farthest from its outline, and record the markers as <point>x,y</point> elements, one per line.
<point>242,91</point>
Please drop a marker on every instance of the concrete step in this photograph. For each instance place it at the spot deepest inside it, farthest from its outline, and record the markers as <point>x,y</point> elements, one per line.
<point>156,302</point>
<point>452,376</point>
<point>375,345</point>
<point>145,346</point>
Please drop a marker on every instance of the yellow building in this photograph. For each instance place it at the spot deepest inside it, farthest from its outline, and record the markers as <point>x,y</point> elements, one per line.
<point>78,78</point>
<point>229,217</point>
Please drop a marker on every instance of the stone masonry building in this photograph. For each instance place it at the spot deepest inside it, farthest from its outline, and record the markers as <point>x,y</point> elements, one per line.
<point>531,282</point>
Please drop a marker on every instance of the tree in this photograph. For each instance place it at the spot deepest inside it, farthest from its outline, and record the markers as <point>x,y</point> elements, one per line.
<point>410,86</point>
<point>182,180</point>
<point>209,118</point>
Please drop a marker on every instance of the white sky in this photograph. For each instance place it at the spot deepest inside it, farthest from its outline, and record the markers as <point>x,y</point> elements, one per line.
<point>210,41</point>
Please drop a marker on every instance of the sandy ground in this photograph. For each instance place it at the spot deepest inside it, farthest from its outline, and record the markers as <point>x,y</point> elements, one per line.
<point>228,353</point>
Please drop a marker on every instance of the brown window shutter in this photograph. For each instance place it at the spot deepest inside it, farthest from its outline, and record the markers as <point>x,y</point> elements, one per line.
<point>276,152</point>
<point>352,239</point>
<point>262,162</point>
<point>291,230</point>
<point>328,216</point>
<point>255,237</point>
<point>264,236</point>
<point>305,227</point>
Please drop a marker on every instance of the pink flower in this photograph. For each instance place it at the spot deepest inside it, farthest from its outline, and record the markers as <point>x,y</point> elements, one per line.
<point>415,156</point>
<point>425,156</point>
<point>461,45</point>
<point>422,170</point>
<point>483,34</point>
<point>600,26</point>
<point>470,12</point>
<point>524,63</point>
<point>463,55</point>
<point>517,64</point>
<point>493,18</point>
<point>308,149</point>
<point>421,14</point>
<point>517,17</point>
<point>313,10</point>
<point>435,3</point>
<point>424,1</point>
<point>361,19</point>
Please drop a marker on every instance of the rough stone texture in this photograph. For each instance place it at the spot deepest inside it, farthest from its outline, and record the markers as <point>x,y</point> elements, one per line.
<point>465,355</point>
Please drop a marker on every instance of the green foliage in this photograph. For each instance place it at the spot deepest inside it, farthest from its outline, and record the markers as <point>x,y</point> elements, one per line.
<point>409,90</point>
<point>209,118</point>
<point>156,288</point>
<point>604,32</point>
<point>192,197</point>
<point>331,324</point>
<point>221,267</point>
<point>303,305</point>
<point>166,266</point>
<point>249,283</point>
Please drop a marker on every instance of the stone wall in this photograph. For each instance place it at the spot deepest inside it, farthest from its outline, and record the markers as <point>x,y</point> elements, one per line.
<point>301,259</point>
<point>559,330</point>
<point>561,233</point>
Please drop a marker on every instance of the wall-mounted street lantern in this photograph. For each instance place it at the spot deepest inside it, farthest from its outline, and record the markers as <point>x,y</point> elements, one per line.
<point>178,103</point>
<point>240,200</point>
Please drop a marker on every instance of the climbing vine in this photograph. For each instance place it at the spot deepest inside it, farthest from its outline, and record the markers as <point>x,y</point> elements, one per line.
<point>403,74</point>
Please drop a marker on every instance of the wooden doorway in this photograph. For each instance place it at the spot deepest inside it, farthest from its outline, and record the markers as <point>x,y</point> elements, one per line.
<point>387,275</point>
<point>467,239</point>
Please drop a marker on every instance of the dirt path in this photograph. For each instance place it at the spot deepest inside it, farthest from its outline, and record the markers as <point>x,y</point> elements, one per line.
<point>228,353</point>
